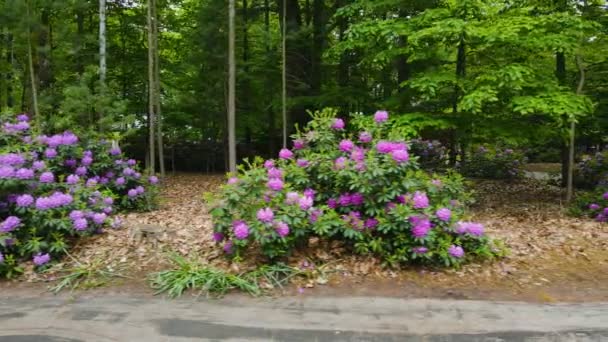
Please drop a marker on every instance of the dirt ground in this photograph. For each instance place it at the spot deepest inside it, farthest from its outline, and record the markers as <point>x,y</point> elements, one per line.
<point>552,257</point>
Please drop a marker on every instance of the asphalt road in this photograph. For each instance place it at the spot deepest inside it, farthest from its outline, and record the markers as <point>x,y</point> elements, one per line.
<point>122,318</point>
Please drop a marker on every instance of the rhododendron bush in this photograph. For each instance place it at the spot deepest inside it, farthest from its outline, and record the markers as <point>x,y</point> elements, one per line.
<point>494,164</point>
<point>363,188</point>
<point>56,188</point>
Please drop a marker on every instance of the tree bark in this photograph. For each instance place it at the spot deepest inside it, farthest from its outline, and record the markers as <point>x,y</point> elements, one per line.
<point>284,72</point>
<point>79,41</point>
<point>44,72</point>
<point>560,73</point>
<point>231,89</point>
<point>151,87</point>
<point>460,73</point>
<point>30,60</point>
<point>318,41</point>
<point>102,42</point>
<point>157,94</point>
<point>579,91</point>
<point>269,82</point>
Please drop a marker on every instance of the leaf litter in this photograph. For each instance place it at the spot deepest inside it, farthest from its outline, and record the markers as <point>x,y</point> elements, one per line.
<point>551,254</point>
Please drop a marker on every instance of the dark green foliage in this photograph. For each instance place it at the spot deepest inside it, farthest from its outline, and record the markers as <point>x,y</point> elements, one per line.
<point>494,164</point>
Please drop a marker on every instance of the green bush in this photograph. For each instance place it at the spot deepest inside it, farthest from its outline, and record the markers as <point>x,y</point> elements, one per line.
<point>592,204</point>
<point>358,188</point>
<point>592,171</point>
<point>494,164</point>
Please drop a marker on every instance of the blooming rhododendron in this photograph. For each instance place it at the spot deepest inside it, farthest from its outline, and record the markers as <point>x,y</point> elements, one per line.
<point>265,215</point>
<point>420,199</point>
<point>338,124</point>
<point>282,229</point>
<point>369,193</point>
<point>346,145</point>
<point>381,116</point>
<point>285,154</point>
<point>241,230</point>
<point>444,214</point>
<point>456,251</point>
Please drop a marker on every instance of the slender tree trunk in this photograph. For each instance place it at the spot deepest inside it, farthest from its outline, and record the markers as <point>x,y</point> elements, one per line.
<point>579,91</point>
<point>284,73</point>
<point>30,61</point>
<point>157,96</point>
<point>44,72</point>
<point>151,87</point>
<point>560,73</point>
<point>318,42</point>
<point>269,82</point>
<point>79,41</point>
<point>10,102</point>
<point>102,42</point>
<point>460,73</point>
<point>231,89</point>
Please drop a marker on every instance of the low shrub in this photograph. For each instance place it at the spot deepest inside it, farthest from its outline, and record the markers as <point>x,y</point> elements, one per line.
<point>593,204</point>
<point>54,189</point>
<point>432,155</point>
<point>592,170</point>
<point>494,164</point>
<point>360,188</point>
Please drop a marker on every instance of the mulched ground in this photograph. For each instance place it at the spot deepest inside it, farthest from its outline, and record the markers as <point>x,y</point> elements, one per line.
<point>552,257</point>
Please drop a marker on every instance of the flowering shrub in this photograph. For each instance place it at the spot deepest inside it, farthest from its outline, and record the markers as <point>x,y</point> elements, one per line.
<point>360,188</point>
<point>592,171</point>
<point>592,204</point>
<point>432,155</point>
<point>56,188</point>
<point>497,164</point>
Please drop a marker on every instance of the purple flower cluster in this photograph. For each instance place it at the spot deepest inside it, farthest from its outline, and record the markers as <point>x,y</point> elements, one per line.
<point>471,228</point>
<point>265,215</point>
<point>365,137</point>
<point>387,147</point>
<point>338,124</point>
<point>349,199</point>
<point>56,200</point>
<point>24,200</point>
<point>420,199</point>
<point>420,226</point>
<point>456,251</point>
<point>346,145</point>
<point>241,230</point>
<point>41,259</point>
<point>12,159</point>
<point>381,116</point>
<point>285,154</point>
<point>420,250</point>
<point>444,214</point>
<point>282,229</point>
<point>9,224</point>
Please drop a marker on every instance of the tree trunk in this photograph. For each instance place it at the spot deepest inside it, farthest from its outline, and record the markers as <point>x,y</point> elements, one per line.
<point>318,41</point>
<point>30,60</point>
<point>80,41</point>
<point>231,89</point>
<point>269,81</point>
<point>560,73</point>
<point>9,74</point>
<point>284,72</point>
<point>460,73</point>
<point>151,87</point>
<point>157,95</point>
<point>44,72</point>
<point>102,43</point>
<point>579,91</point>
